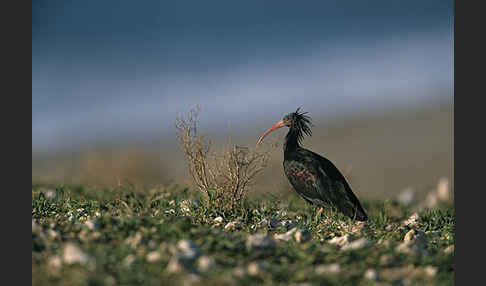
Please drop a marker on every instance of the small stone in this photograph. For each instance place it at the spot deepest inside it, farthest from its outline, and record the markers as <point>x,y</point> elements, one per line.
<point>406,197</point>
<point>414,242</point>
<point>449,249</point>
<point>256,268</point>
<point>73,254</point>
<point>90,224</point>
<point>260,241</point>
<point>50,194</point>
<point>218,220</point>
<point>233,225</point>
<point>342,240</point>
<point>328,269</point>
<point>239,272</point>
<point>357,244</point>
<point>285,236</point>
<point>153,256</point>
<point>443,190</point>
<point>371,274</point>
<point>55,261</point>
<point>174,266</point>
<point>188,250</point>
<point>36,228</point>
<point>415,235</point>
<point>52,234</point>
<point>302,235</point>
<point>430,270</point>
<point>204,263</point>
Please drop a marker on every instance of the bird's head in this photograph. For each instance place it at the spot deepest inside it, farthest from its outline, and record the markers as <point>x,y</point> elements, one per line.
<point>297,121</point>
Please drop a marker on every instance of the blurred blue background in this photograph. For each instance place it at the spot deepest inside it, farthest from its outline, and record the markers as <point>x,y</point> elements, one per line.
<point>120,71</point>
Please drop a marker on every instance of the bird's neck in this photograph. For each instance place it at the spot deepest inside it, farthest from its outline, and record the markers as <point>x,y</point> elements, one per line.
<point>292,141</point>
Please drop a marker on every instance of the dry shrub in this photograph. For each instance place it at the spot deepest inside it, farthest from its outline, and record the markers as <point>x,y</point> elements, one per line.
<point>225,176</point>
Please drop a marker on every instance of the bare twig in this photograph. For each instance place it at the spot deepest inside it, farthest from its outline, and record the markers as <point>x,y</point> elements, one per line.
<point>225,177</point>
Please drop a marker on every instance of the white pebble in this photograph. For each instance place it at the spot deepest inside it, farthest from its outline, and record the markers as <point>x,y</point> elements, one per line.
<point>341,240</point>
<point>55,261</point>
<point>371,274</point>
<point>73,254</point>
<point>406,197</point>
<point>430,270</point>
<point>153,256</point>
<point>188,250</point>
<point>357,244</point>
<point>90,224</point>
<point>260,241</point>
<point>302,235</point>
<point>233,225</point>
<point>285,236</point>
<point>328,269</point>
<point>204,263</point>
<point>443,190</point>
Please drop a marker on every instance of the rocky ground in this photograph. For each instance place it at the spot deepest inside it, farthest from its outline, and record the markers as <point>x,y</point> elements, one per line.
<point>126,236</point>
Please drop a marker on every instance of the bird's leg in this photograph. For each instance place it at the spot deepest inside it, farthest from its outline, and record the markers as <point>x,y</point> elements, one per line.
<point>319,211</point>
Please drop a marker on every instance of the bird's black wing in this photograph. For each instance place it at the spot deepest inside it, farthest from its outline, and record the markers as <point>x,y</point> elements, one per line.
<point>335,188</point>
<point>304,178</point>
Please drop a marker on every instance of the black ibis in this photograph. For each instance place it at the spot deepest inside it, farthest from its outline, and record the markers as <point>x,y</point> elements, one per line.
<point>314,177</point>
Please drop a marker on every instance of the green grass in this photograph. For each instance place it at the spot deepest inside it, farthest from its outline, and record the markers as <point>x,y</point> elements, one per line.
<point>114,227</point>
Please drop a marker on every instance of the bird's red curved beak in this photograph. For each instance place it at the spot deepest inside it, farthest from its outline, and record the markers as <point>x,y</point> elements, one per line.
<point>273,128</point>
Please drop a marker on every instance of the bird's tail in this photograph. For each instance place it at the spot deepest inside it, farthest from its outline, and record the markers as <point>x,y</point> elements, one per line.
<point>361,215</point>
<point>355,212</point>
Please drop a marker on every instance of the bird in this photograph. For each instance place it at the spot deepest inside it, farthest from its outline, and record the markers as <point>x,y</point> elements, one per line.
<point>316,179</point>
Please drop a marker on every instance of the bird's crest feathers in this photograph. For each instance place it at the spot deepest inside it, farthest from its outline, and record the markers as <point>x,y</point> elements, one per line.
<point>301,124</point>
